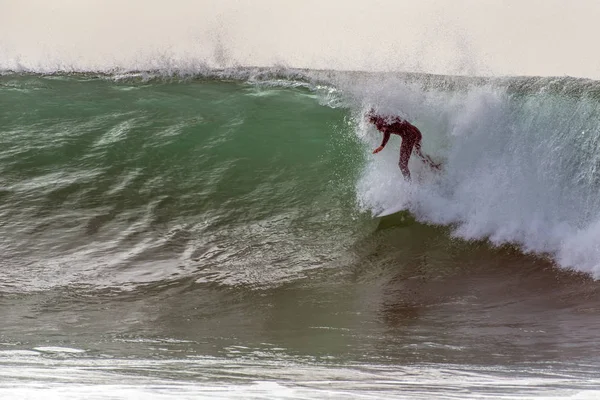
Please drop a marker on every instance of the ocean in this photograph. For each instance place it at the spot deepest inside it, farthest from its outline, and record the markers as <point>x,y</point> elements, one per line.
<point>212,234</point>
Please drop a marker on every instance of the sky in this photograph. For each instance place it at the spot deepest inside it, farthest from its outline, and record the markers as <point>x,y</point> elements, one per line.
<point>473,37</point>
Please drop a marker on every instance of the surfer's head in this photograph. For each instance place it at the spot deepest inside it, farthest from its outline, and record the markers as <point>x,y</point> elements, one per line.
<point>373,118</point>
<point>371,115</point>
<point>376,120</point>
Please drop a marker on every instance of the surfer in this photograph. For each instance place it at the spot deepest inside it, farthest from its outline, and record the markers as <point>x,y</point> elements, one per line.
<point>411,138</point>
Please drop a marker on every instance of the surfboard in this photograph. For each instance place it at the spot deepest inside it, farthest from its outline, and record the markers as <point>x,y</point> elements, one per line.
<point>391,210</point>
<point>399,219</point>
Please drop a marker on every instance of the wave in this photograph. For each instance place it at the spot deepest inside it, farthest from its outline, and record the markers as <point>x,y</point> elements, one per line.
<point>521,158</point>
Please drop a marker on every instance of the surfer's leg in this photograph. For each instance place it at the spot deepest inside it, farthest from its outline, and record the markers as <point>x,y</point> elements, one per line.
<point>426,159</point>
<point>405,152</point>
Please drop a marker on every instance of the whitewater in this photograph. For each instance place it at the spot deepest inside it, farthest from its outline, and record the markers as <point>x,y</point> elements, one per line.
<point>520,159</point>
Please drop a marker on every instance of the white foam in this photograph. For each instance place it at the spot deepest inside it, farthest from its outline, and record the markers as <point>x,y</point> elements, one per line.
<point>519,168</point>
<point>55,349</point>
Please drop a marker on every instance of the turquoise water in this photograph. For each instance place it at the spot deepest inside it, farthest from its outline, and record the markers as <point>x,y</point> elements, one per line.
<point>213,236</point>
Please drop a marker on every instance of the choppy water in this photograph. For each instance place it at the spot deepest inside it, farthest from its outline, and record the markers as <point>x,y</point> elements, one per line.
<point>212,236</point>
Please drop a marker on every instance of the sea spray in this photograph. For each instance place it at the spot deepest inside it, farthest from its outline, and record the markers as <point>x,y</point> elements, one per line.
<point>520,163</point>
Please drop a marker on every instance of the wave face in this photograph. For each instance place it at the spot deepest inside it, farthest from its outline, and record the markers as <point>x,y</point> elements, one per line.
<point>227,176</point>
<point>118,181</point>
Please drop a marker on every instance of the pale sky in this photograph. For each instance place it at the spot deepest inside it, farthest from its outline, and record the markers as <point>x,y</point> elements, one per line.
<point>478,37</point>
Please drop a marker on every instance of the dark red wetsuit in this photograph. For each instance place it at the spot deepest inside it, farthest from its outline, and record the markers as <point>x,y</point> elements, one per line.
<point>411,138</point>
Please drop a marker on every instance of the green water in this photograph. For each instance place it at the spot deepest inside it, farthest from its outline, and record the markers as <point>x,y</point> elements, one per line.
<point>128,163</point>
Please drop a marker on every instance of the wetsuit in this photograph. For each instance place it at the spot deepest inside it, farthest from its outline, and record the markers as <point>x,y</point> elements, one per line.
<point>411,138</point>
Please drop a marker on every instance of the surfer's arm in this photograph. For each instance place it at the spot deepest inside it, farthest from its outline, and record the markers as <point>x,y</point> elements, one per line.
<point>386,137</point>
